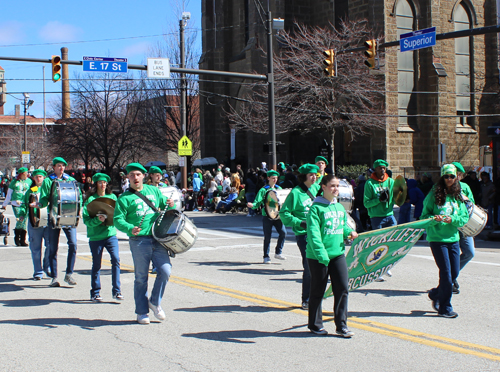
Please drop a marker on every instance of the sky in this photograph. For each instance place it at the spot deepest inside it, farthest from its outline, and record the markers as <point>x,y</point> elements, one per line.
<point>39,29</point>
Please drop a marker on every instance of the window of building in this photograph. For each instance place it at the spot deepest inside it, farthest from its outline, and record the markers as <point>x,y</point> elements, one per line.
<point>463,67</point>
<point>407,100</point>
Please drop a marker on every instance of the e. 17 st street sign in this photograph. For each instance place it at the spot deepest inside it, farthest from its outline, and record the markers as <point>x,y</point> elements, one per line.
<point>105,64</point>
<point>417,39</point>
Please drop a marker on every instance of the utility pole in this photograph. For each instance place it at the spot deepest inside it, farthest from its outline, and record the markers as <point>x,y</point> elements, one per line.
<point>182,26</point>
<point>270,89</point>
<point>26,97</point>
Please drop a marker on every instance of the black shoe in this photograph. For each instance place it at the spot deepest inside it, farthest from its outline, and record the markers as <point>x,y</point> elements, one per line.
<point>321,332</point>
<point>344,332</point>
<point>450,315</point>
<point>455,287</point>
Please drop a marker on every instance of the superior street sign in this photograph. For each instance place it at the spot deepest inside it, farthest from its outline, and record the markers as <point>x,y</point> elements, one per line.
<point>417,39</point>
<point>104,64</point>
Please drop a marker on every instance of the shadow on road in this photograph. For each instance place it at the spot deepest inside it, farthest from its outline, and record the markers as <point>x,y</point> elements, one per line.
<point>390,292</point>
<point>246,336</point>
<point>234,308</point>
<point>89,324</point>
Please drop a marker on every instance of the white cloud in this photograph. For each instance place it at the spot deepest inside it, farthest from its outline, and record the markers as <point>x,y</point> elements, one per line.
<point>11,32</point>
<point>56,31</point>
<point>136,49</point>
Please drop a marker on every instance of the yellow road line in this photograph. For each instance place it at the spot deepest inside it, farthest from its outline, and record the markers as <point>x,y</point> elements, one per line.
<point>427,339</point>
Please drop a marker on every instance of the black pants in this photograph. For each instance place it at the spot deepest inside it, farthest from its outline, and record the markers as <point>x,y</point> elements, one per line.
<point>337,270</point>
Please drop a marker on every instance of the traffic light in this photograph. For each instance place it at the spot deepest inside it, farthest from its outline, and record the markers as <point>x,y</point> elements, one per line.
<point>371,53</point>
<point>56,68</point>
<point>329,62</point>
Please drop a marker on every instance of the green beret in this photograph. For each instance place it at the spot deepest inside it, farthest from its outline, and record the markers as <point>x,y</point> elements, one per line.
<point>380,163</point>
<point>135,167</point>
<point>272,173</point>
<point>22,170</point>
<point>458,166</point>
<point>308,168</point>
<point>59,160</point>
<point>39,172</point>
<point>154,169</point>
<point>448,169</point>
<point>281,165</point>
<point>101,177</point>
<point>320,158</point>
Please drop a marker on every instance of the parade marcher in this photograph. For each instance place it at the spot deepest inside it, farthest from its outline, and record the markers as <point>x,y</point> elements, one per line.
<point>135,216</point>
<point>467,246</point>
<point>15,196</point>
<point>327,229</point>
<point>293,213</point>
<point>414,196</point>
<point>321,162</point>
<point>37,234</point>
<point>154,178</point>
<point>267,223</point>
<point>59,165</point>
<point>102,237</point>
<point>444,203</point>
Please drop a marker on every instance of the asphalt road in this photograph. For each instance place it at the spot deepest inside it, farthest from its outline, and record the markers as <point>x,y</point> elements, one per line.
<point>227,311</point>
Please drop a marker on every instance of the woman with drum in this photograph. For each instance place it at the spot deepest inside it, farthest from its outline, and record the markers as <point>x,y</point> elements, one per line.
<point>15,196</point>
<point>102,235</point>
<point>445,204</point>
<point>293,213</point>
<point>268,223</point>
<point>327,228</point>
<point>38,232</point>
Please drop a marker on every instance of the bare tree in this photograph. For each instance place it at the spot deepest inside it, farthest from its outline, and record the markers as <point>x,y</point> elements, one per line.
<point>306,99</point>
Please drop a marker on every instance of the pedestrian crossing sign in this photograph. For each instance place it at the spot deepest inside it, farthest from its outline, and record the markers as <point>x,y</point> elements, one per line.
<point>185,147</point>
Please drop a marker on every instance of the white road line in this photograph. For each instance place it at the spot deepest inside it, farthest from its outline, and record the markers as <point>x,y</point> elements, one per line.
<point>472,261</point>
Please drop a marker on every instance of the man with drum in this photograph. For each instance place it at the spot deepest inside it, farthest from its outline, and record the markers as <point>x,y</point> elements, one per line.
<point>467,247</point>
<point>135,217</point>
<point>321,162</point>
<point>59,165</point>
<point>39,232</point>
<point>268,223</point>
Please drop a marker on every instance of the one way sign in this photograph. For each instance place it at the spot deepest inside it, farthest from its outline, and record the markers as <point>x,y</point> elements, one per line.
<point>185,147</point>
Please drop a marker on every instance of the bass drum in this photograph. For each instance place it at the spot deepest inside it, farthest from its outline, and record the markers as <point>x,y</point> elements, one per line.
<point>273,201</point>
<point>64,204</point>
<point>37,216</point>
<point>477,220</point>
<point>346,195</point>
<point>173,192</point>
<point>174,231</point>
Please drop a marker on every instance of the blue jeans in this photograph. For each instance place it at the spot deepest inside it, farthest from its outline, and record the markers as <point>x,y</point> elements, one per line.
<point>404,213</point>
<point>489,224</point>
<point>35,237</point>
<point>250,197</point>
<point>381,222</point>
<point>306,275</point>
<point>267,226</point>
<point>97,248</point>
<point>54,247</point>
<point>447,257</point>
<point>144,250</point>
<point>467,249</point>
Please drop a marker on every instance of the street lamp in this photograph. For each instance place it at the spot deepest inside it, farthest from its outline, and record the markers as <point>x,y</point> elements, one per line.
<point>27,103</point>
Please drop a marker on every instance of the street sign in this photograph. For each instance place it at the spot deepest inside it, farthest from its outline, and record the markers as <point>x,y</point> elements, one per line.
<point>105,64</point>
<point>417,39</point>
<point>185,147</point>
<point>158,68</point>
<point>182,161</point>
<point>26,157</point>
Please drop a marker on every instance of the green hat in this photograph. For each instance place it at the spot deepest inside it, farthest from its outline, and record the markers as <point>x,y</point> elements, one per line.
<point>101,177</point>
<point>135,166</point>
<point>308,168</point>
<point>59,160</point>
<point>320,158</point>
<point>272,173</point>
<point>458,166</point>
<point>448,169</point>
<point>39,172</point>
<point>22,170</point>
<point>380,163</point>
<point>154,169</point>
<point>281,165</point>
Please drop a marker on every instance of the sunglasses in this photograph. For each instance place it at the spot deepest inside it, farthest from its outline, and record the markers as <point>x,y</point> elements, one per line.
<point>448,176</point>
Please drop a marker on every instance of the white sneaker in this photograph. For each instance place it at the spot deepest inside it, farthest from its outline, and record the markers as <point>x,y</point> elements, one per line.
<point>279,256</point>
<point>267,260</point>
<point>380,279</point>
<point>249,215</point>
<point>389,273</point>
<point>158,311</point>
<point>143,318</point>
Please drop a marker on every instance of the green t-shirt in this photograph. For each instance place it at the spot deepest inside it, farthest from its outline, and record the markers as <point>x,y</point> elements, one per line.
<point>375,207</point>
<point>296,207</point>
<point>96,230</point>
<point>19,188</point>
<point>260,198</point>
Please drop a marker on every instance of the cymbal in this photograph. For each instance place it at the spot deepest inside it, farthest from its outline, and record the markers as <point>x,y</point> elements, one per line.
<point>399,191</point>
<point>105,206</point>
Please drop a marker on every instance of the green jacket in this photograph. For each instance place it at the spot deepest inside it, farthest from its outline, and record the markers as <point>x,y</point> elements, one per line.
<point>19,188</point>
<point>96,230</point>
<point>47,186</point>
<point>375,207</point>
<point>24,208</point>
<point>296,207</point>
<point>467,191</point>
<point>441,231</point>
<point>326,230</point>
<point>260,198</point>
<point>130,209</point>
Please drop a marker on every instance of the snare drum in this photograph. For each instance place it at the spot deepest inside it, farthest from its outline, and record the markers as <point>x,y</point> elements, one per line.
<point>346,195</point>
<point>174,231</point>
<point>477,220</point>
<point>64,205</point>
<point>274,200</point>
<point>173,192</point>
<point>37,216</point>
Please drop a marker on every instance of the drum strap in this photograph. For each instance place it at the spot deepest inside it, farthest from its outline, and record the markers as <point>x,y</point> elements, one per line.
<point>306,190</point>
<point>146,200</point>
